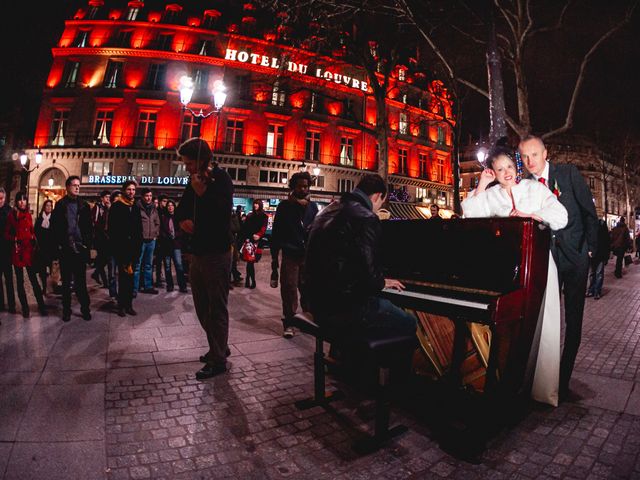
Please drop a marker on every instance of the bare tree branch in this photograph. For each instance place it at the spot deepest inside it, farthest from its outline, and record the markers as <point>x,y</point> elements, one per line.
<point>557,26</point>
<point>568,123</point>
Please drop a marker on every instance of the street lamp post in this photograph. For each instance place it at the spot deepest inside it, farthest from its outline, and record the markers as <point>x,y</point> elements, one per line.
<point>219,93</point>
<point>25,160</point>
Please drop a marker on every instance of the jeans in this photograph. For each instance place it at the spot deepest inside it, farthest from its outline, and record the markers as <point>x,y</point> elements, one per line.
<point>383,319</point>
<point>145,263</point>
<point>596,278</point>
<point>176,256</point>
<point>112,266</point>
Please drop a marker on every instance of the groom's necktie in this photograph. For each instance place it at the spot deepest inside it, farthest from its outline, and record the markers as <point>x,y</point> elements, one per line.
<point>542,181</point>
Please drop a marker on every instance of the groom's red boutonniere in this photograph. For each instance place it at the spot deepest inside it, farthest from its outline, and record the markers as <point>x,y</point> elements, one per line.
<point>556,190</point>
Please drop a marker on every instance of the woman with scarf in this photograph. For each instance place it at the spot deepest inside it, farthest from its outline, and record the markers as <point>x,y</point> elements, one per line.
<point>19,231</point>
<point>124,227</point>
<point>252,231</point>
<point>46,243</point>
<point>169,247</point>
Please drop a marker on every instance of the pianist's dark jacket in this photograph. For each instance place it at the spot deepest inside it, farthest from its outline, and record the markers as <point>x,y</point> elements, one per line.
<point>342,264</point>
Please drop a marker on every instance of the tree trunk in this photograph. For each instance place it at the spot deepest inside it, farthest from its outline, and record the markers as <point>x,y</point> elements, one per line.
<point>497,109</point>
<point>523,99</point>
<point>382,130</point>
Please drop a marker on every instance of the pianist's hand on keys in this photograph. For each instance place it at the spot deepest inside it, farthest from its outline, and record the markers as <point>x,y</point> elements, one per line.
<point>394,284</point>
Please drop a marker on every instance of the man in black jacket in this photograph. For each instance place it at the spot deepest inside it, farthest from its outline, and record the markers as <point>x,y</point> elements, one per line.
<point>205,213</point>
<point>124,227</point>
<point>289,235</point>
<point>71,224</point>
<point>343,271</point>
<point>571,247</point>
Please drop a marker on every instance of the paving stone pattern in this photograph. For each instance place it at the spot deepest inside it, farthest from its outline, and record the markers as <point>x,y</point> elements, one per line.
<point>116,398</point>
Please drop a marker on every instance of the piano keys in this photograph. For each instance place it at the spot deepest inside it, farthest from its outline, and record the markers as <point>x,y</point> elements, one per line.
<point>476,287</point>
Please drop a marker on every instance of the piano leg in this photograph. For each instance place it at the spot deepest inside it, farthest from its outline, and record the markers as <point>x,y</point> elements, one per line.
<point>459,351</point>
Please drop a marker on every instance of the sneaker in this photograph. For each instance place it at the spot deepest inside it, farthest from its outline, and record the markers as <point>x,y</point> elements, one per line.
<point>589,294</point>
<point>596,296</point>
<point>288,332</point>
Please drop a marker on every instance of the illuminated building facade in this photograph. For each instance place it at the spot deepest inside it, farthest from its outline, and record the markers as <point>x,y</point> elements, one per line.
<point>111,109</point>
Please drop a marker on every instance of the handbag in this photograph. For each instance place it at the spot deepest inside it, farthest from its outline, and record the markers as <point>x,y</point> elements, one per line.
<point>628,260</point>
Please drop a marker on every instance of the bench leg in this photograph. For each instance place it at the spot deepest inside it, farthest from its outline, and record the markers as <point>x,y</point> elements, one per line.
<point>320,397</point>
<point>382,433</point>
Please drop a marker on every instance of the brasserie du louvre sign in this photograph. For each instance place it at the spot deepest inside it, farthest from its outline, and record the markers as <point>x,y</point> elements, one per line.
<point>281,63</point>
<point>140,179</point>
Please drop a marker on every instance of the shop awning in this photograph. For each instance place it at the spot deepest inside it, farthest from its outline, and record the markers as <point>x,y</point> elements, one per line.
<point>408,211</point>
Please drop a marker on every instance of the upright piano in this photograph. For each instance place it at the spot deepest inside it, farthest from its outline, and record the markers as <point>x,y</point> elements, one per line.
<point>476,287</point>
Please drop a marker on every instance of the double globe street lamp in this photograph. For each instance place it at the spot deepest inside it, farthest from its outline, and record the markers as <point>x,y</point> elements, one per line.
<point>186,88</point>
<point>25,160</point>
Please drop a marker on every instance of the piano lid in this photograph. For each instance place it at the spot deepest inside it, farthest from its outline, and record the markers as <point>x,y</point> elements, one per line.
<point>480,254</point>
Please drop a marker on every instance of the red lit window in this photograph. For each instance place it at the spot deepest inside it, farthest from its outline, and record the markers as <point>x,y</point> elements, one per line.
<point>423,165</point>
<point>59,127</point>
<point>164,41</point>
<point>441,135</point>
<point>204,48</point>
<point>233,136</point>
<point>312,146</point>
<point>278,95</point>
<point>275,141</point>
<point>113,75</point>
<point>146,129</point>
<point>201,80</point>
<point>132,14</point>
<point>346,151</point>
<point>345,185</point>
<point>70,75</point>
<point>92,13</point>
<point>124,39</point>
<point>403,124</point>
<point>82,38</point>
<point>402,161</point>
<point>102,130</point>
<point>190,126</point>
<point>439,164</point>
<point>156,76</point>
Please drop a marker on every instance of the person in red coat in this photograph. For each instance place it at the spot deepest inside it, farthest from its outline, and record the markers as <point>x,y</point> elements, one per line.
<point>19,231</point>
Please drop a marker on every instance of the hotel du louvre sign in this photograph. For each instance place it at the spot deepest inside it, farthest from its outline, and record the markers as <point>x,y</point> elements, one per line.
<point>278,63</point>
<point>141,179</point>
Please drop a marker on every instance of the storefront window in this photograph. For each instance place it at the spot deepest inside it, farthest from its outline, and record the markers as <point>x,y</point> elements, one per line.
<point>143,168</point>
<point>93,169</point>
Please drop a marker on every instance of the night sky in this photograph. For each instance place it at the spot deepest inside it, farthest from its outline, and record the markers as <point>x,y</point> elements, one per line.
<point>610,100</point>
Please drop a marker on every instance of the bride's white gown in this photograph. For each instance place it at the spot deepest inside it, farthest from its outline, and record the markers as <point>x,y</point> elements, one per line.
<point>530,196</point>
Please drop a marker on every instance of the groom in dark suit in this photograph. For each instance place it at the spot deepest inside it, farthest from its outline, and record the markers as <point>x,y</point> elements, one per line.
<point>571,246</point>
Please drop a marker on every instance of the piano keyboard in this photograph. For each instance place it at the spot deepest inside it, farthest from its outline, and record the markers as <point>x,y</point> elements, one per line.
<point>391,293</point>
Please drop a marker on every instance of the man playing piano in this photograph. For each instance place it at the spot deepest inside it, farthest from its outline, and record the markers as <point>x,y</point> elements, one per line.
<point>526,199</point>
<point>344,275</point>
<point>571,246</point>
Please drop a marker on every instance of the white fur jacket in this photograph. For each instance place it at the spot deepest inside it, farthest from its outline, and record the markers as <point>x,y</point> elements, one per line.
<point>529,196</point>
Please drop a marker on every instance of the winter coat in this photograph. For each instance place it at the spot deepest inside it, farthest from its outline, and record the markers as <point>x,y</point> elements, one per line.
<point>124,227</point>
<point>620,239</point>
<point>47,251</point>
<point>167,243</point>
<point>19,231</point>
<point>150,222</point>
<point>342,265</point>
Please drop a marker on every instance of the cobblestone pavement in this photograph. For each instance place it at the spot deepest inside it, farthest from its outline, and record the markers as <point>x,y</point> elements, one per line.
<point>116,398</point>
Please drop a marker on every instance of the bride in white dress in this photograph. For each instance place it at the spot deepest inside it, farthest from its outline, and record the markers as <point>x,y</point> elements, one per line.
<point>532,199</point>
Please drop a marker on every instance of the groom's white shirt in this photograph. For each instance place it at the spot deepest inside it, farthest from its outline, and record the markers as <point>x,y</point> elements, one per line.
<point>545,173</point>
